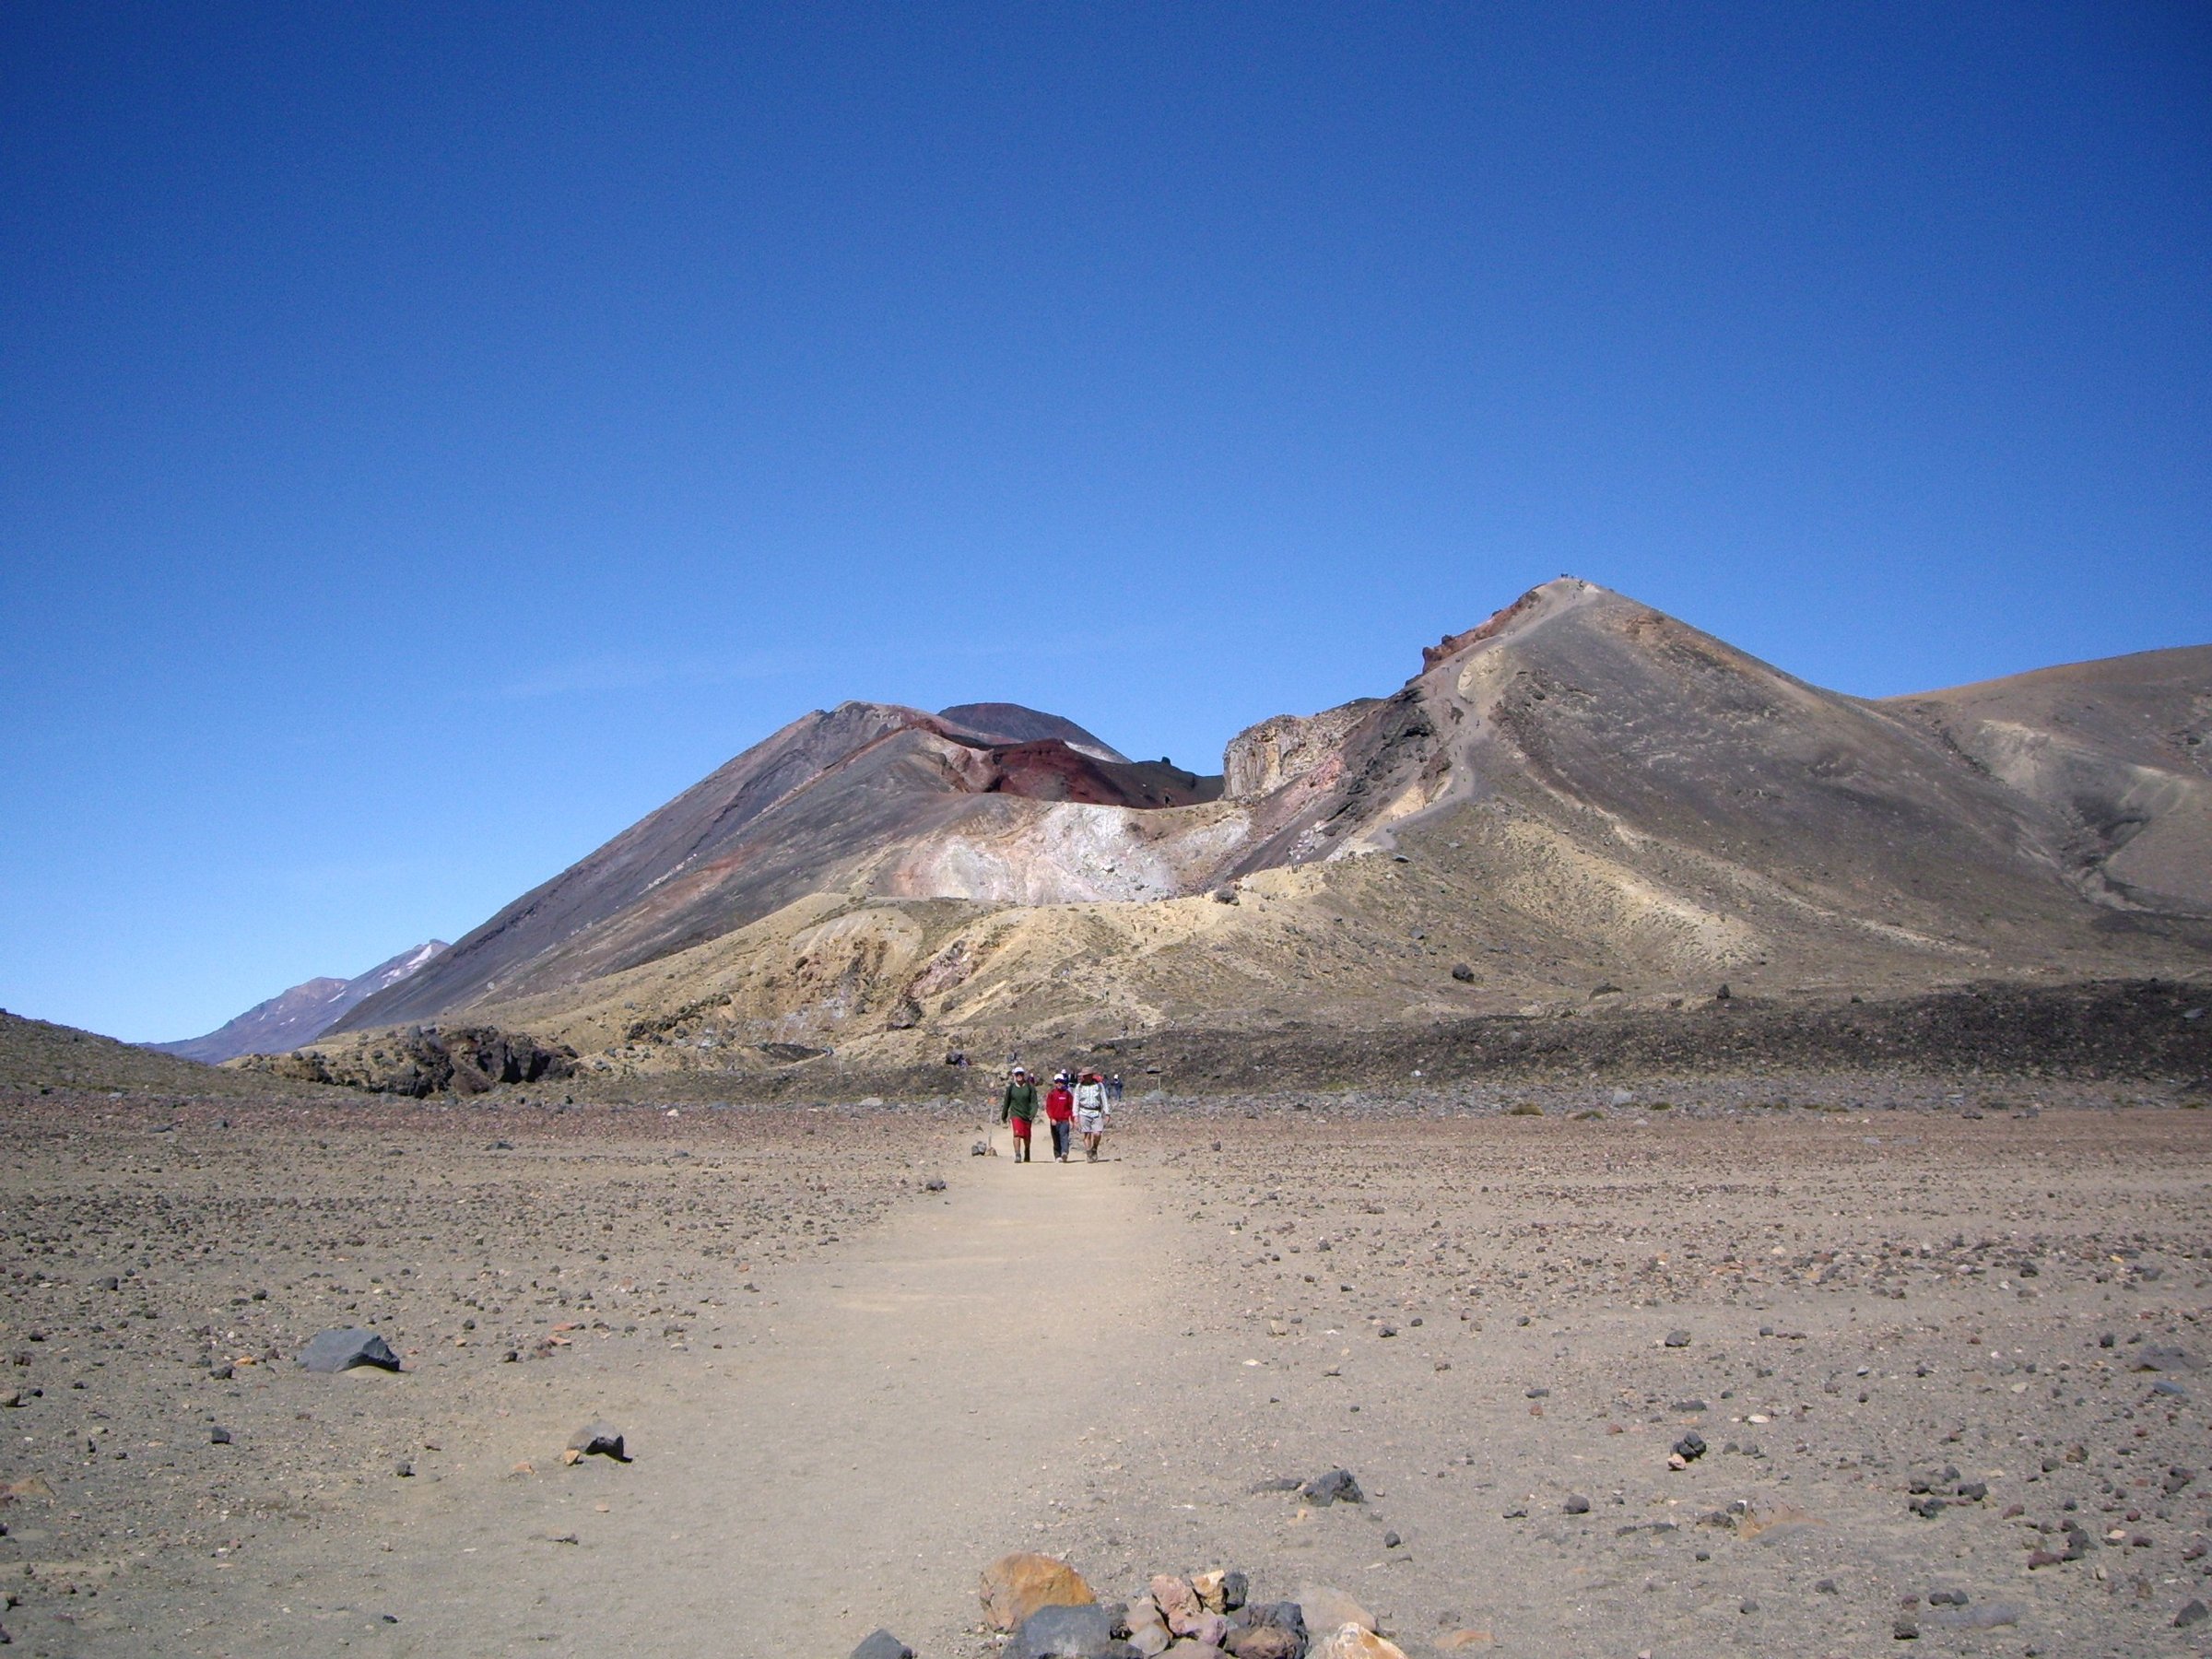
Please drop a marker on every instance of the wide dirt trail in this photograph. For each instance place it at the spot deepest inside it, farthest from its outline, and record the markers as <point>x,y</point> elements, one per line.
<point>899,1416</point>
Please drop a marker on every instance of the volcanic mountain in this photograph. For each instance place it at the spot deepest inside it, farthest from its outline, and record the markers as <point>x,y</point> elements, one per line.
<point>297,1016</point>
<point>863,797</point>
<point>1579,798</point>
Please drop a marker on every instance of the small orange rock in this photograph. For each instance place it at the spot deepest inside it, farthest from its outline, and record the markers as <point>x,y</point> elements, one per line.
<point>1457,1640</point>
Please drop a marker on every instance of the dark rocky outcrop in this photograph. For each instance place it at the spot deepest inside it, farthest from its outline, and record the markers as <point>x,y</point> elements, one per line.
<point>2135,1030</point>
<point>425,1060</point>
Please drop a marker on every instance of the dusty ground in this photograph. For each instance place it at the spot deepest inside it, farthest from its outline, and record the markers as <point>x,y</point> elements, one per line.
<point>844,1391</point>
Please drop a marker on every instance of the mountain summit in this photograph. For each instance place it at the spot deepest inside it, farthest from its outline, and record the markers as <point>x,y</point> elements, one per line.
<point>1579,798</point>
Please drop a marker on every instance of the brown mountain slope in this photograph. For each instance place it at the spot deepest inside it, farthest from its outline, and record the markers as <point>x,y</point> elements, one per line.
<point>1581,803</point>
<point>2117,754</point>
<point>1649,743</point>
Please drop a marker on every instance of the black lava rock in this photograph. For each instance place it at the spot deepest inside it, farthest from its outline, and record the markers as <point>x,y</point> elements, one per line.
<point>1336,1486</point>
<point>342,1350</point>
<point>598,1440</point>
<point>1084,1632</point>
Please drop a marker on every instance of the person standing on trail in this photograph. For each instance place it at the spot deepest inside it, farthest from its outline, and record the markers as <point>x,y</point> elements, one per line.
<point>1060,1111</point>
<point>1018,1108</point>
<point>1091,1110</point>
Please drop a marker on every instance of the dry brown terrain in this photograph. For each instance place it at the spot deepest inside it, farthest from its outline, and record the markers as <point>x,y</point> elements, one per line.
<point>845,1391</point>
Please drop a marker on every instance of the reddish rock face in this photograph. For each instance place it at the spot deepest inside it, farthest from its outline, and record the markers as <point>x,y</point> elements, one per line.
<point>1050,770</point>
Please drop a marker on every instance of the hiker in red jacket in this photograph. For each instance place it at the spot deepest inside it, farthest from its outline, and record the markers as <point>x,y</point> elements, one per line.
<point>1060,1111</point>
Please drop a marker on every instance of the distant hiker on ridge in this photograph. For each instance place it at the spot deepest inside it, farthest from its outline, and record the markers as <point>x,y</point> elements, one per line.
<point>1016,1109</point>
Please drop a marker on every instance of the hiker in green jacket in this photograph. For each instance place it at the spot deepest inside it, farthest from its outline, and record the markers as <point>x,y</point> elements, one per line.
<point>1019,1109</point>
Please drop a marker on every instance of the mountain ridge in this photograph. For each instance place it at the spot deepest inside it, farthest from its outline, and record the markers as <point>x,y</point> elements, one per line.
<point>298,1015</point>
<point>1580,796</point>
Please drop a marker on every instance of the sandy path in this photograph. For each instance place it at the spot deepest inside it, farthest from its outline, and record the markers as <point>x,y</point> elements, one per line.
<point>906,1404</point>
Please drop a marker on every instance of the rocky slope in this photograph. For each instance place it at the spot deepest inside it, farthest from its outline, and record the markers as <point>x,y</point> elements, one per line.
<point>2116,759</point>
<point>1579,804</point>
<point>300,1015</point>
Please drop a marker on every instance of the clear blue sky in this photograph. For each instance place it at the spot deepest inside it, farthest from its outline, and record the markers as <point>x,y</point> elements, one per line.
<point>431,437</point>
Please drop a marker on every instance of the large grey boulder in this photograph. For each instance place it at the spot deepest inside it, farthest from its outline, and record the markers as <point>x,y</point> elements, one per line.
<point>882,1644</point>
<point>342,1350</point>
<point>1083,1632</point>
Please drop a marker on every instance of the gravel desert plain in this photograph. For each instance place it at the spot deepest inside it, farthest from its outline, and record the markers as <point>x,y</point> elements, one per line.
<point>1939,1337</point>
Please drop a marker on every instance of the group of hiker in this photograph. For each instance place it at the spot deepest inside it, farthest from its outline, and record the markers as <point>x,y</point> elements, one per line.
<point>1075,1103</point>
